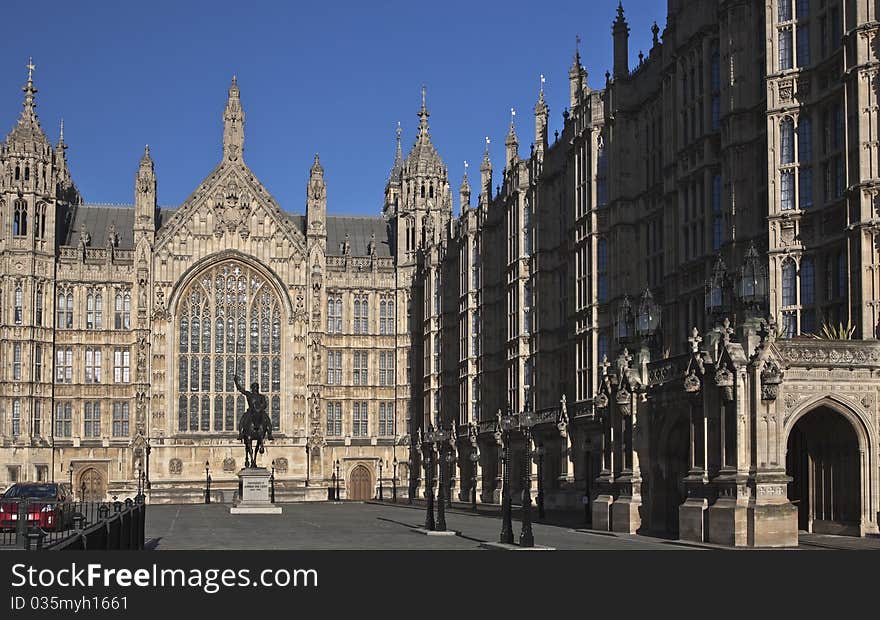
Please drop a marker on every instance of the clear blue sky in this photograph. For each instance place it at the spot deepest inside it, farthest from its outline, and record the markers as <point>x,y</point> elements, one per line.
<point>326,77</point>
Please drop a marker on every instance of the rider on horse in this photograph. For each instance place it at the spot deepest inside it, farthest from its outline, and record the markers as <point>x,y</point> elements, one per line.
<point>256,417</point>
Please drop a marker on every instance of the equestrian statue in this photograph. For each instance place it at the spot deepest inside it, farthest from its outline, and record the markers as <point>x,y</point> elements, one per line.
<point>255,424</point>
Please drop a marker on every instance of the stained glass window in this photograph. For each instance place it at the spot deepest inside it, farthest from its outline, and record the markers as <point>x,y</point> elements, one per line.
<point>229,323</point>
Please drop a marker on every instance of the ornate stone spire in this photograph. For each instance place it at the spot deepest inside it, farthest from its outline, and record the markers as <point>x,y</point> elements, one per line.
<point>423,158</point>
<point>27,131</point>
<point>486,175</point>
<point>233,125</point>
<point>620,32</point>
<point>145,195</point>
<point>512,143</point>
<point>397,167</point>
<point>541,114</point>
<point>464,191</point>
<point>316,199</point>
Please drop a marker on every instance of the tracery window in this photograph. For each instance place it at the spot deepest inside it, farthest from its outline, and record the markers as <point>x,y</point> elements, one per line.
<point>229,323</point>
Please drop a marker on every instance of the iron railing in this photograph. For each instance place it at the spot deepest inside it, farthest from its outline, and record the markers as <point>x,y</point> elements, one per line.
<point>37,524</point>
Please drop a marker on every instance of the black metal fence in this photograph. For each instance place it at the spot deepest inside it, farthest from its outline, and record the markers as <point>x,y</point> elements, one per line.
<point>34,524</point>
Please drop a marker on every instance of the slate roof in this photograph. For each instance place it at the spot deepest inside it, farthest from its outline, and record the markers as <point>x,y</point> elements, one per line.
<point>97,218</point>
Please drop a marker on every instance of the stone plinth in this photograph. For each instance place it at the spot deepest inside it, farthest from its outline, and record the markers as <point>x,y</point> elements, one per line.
<point>254,493</point>
<point>601,512</point>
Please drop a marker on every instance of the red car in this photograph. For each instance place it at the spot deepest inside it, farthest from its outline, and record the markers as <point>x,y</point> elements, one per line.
<point>47,505</point>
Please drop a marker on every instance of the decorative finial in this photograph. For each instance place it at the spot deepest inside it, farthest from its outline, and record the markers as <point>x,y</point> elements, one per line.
<point>30,67</point>
<point>465,167</point>
<point>542,83</point>
<point>61,132</point>
<point>424,97</point>
<point>487,143</point>
<point>398,131</point>
<point>512,117</point>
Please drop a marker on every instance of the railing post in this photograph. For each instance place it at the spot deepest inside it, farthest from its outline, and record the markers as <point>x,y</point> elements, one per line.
<point>21,523</point>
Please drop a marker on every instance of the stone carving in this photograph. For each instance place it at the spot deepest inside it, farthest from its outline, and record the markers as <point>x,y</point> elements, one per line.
<point>724,381</point>
<point>771,377</point>
<point>786,90</point>
<point>232,207</point>
<point>229,464</point>
<point>175,466</point>
<point>281,465</point>
<point>601,400</point>
<point>692,383</point>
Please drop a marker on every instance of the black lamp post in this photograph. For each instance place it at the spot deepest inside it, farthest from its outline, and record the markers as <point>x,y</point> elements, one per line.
<point>381,498</point>
<point>412,480</point>
<point>440,437</point>
<point>148,449</point>
<point>539,452</point>
<point>428,454</point>
<point>207,482</point>
<point>70,473</point>
<point>308,465</point>
<point>337,480</point>
<point>394,480</point>
<point>272,483</point>
<point>527,421</point>
<point>506,503</point>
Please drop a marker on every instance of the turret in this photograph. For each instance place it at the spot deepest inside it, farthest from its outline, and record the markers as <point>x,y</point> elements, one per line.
<point>486,178</point>
<point>464,192</point>
<point>541,114</point>
<point>511,144</point>
<point>620,31</point>
<point>392,187</point>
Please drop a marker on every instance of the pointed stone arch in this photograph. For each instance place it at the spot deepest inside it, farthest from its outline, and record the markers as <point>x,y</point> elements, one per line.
<point>866,460</point>
<point>193,272</point>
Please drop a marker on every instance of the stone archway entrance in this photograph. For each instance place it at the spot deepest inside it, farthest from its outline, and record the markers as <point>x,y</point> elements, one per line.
<point>670,470</point>
<point>823,460</point>
<point>360,484</point>
<point>92,486</point>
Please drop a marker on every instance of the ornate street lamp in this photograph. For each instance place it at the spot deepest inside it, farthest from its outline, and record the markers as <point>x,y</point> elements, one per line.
<point>527,421</point>
<point>539,453</point>
<point>412,486</point>
<point>337,480</point>
<point>428,458</point>
<point>380,480</point>
<point>394,480</point>
<point>717,302</point>
<point>506,503</point>
<point>751,286</point>
<point>207,482</point>
<point>623,322</point>
<point>647,316</point>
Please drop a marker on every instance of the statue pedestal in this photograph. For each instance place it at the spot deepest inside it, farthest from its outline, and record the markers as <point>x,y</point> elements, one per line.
<point>253,494</point>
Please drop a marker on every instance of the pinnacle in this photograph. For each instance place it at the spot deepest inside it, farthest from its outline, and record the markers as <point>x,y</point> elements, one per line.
<point>28,129</point>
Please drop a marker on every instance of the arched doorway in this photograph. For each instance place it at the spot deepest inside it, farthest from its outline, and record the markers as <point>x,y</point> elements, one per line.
<point>667,490</point>
<point>823,460</point>
<point>91,486</point>
<point>360,486</point>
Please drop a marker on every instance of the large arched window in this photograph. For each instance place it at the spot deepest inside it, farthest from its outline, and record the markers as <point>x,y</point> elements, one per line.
<point>229,323</point>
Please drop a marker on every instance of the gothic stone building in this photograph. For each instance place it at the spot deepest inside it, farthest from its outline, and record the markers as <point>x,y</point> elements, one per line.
<point>695,222</point>
<point>123,327</point>
<point>646,283</point>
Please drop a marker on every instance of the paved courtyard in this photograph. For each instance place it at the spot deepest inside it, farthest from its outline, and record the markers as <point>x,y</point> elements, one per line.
<point>353,526</point>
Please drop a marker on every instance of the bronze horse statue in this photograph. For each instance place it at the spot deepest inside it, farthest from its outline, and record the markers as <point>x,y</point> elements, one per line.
<point>255,424</point>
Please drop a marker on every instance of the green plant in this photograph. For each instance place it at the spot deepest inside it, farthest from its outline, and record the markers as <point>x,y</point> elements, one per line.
<point>836,332</point>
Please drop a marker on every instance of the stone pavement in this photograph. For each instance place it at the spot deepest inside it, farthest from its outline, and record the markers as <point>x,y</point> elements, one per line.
<point>374,525</point>
<point>350,525</point>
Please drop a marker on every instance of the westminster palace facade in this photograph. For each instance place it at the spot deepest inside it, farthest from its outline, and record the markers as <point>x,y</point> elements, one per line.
<point>680,286</point>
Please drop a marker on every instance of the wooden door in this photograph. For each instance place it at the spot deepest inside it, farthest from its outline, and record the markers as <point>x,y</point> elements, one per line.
<point>91,487</point>
<point>360,484</point>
